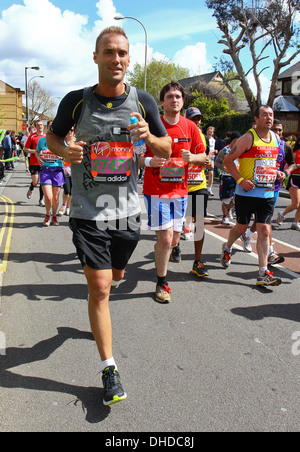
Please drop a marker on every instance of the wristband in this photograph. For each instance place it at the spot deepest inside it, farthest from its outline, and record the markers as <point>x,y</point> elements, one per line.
<point>240,180</point>
<point>288,172</point>
<point>148,162</point>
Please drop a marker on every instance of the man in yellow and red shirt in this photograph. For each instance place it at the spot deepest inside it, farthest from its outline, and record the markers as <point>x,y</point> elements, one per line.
<point>257,152</point>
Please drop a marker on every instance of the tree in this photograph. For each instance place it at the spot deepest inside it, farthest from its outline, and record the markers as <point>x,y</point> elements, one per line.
<point>257,26</point>
<point>213,92</point>
<point>40,101</point>
<point>159,73</point>
<point>231,77</point>
<point>210,107</point>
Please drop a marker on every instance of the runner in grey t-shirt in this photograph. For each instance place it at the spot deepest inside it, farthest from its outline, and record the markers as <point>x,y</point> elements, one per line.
<point>104,165</point>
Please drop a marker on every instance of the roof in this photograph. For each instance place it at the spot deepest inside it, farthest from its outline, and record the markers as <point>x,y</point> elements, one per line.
<point>288,73</point>
<point>287,103</point>
<point>15,89</point>
<point>207,78</point>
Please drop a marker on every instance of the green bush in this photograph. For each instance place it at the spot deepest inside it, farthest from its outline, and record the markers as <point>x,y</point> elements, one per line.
<point>223,124</point>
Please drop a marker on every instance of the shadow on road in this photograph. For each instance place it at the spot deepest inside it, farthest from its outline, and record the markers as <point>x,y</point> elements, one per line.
<point>281,311</point>
<point>89,397</point>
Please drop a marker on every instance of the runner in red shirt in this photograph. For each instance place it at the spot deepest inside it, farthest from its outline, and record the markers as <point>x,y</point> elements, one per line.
<point>166,184</point>
<point>34,167</point>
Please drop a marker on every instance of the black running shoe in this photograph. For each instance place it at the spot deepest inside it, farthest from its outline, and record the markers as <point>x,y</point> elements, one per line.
<point>113,391</point>
<point>176,254</point>
<point>199,269</point>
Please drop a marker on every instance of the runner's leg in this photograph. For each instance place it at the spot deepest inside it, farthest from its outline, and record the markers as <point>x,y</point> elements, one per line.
<point>263,244</point>
<point>55,200</point>
<point>48,195</point>
<point>99,282</point>
<point>162,251</point>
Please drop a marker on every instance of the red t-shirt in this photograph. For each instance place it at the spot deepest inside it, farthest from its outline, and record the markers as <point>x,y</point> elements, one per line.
<point>297,171</point>
<point>31,143</point>
<point>172,179</point>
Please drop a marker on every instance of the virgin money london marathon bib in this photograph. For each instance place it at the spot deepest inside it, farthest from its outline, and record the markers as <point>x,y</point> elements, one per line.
<point>105,183</point>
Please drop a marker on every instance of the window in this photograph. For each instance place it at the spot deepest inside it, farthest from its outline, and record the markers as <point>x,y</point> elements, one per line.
<point>287,87</point>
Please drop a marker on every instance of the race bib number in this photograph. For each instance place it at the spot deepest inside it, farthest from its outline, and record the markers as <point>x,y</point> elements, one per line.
<point>111,162</point>
<point>173,171</point>
<point>195,175</point>
<point>265,173</point>
<point>47,156</point>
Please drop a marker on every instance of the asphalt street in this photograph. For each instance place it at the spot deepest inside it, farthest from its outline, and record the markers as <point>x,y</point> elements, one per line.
<point>223,356</point>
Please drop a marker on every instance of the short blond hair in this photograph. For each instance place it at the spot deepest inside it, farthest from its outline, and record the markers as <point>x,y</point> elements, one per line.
<point>113,30</point>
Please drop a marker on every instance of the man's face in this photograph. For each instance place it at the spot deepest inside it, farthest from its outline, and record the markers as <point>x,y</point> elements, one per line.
<point>197,121</point>
<point>39,127</point>
<point>112,58</point>
<point>266,118</point>
<point>210,132</point>
<point>173,101</point>
<point>278,128</point>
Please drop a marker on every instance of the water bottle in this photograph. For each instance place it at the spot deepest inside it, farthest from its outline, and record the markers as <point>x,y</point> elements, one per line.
<point>139,146</point>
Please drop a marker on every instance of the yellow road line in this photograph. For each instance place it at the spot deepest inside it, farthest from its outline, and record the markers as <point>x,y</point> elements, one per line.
<point>9,234</point>
<point>3,228</point>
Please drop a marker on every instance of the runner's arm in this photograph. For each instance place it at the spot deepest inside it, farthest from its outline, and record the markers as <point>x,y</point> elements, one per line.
<point>219,162</point>
<point>71,154</point>
<point>242,145</point>
<point>159,146</point>
<point>158,141</point>
<point>196,155</point>
<point>27,147</point>
<point>63,122</point>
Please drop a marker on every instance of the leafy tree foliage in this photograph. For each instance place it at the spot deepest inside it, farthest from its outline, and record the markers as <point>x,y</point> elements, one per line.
<point>210,107</point>
<point>159,73</point>
<point>258,27</point>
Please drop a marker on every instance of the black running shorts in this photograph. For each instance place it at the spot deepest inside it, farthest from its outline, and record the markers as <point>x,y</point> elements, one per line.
<point>262,208</point>
<point>294,181</point>
<point>104,249</point>
<point>197,203</point>
<point>34,170</point>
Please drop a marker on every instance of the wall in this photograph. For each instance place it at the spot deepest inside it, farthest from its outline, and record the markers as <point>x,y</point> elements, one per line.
<point>10,107</point>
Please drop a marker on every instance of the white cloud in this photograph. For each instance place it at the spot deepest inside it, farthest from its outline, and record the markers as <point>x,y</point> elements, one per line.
<point>193,57</point>
<point>107,11</point>
<point>61,43</point>
<point>265,84</point>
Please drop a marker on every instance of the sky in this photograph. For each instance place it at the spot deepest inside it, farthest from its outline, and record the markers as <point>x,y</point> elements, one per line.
<point>59,36</point>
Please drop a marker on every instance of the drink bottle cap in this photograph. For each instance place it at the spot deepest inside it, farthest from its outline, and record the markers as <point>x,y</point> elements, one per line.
<point>133,119</point>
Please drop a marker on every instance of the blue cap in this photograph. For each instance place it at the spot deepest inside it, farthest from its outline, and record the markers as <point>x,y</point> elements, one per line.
<point>192,112</point>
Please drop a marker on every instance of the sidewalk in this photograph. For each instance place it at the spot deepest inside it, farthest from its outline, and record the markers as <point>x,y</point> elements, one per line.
<point>220,357</point>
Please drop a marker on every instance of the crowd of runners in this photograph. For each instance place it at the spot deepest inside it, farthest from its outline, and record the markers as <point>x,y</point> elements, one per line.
<point>89,151</point>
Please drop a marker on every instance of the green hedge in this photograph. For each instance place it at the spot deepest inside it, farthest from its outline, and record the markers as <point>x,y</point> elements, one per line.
<point>223,124</point>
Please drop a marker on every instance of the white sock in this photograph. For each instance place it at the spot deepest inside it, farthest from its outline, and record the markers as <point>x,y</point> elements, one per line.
<point>271,250</point>
<point>108,362</point>
<point>115,284</point>
<point>262,271</point>
<point>226,247</point>
<point>248,233</point>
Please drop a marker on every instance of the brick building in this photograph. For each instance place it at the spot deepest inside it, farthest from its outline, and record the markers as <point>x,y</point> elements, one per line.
<point>11,109</point>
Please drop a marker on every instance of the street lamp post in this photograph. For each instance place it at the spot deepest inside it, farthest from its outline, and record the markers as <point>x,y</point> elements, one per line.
<point>36,68</point>
<point>146,43</point>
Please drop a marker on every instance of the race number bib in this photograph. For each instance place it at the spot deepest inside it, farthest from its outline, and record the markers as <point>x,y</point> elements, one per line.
<point>47,156</point>
<point>173,171</point>
<point>195,175</point>
<point>265,173</point>
<point>111,162</point>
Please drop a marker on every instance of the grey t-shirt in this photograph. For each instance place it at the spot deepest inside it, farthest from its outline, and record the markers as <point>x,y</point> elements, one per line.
<point>93,199</point>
